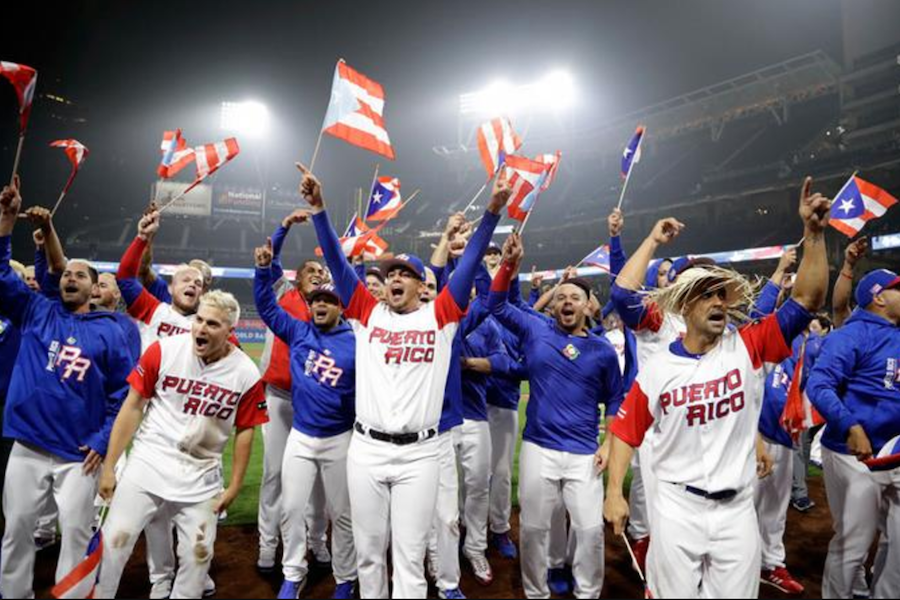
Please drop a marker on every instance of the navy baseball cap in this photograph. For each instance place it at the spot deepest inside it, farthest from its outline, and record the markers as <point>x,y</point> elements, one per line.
<point>327,290</point>
<point>579,282</point>
<point>375,272</point>
<point>680,265</point>
<point>873,283</point>
<point>493,248</point>
<point>411,263</point>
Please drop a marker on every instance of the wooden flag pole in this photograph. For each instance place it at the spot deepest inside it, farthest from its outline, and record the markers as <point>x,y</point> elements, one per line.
<point>475,198</point>
<point>18,157</point>
<point>64,192</point>
<point>312,163</point>
<point>625,187</point>
<point>180,196</point>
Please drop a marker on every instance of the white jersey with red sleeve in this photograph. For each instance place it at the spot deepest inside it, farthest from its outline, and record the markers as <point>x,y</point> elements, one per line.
<point>402,361</point>
<point>656,331</point>
<point>157,320</point>
<point>704,410</point>
<point>192,410</point>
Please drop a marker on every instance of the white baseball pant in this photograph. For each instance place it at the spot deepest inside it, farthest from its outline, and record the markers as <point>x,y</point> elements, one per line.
<point>393,491</point>
<point>131,510</point>
<point>474,451</point>
<point>504,426</point>
<point>886,570</point>
<point>46,523</point>
<point>33,475</point>
<point>544,475</point>
<point>306,460</point>
<point>703,548</point>
<point>642,479</point>
<point>562,541</point>
<point>275,435</point>
<point>856,504</point>
<point>773,495</point>
<point>444,538</point>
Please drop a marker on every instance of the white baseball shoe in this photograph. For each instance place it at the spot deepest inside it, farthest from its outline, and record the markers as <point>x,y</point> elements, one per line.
<point>481,568</point>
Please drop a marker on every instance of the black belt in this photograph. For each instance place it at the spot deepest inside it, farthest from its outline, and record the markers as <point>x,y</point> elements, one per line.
<point>718,496</point>
<point>398,439</point>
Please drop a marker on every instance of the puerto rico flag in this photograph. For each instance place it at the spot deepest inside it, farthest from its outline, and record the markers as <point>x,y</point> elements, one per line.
<point>384,201</point>
<point>82,580</point>
<point>360,240</point>
<point>632,152</point>
<point>356,111</point>
<point>799,413</point>
<point>525,178</point>
<point>598,258</point>
<point>888,457</point>
<point>176,154</point>
<point>552,160</point>
<point>24,79</point>
<point>858,202</point>
<point>210,157</point>
<point>496,140</point>
<point>75,150</point>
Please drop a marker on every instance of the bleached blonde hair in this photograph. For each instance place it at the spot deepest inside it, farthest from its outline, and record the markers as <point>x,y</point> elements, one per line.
<point>225,302</point>
<point>18,267</point>
<point>687,288</point>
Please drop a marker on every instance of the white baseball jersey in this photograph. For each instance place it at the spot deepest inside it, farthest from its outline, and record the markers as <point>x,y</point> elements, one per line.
<point>704,410</point>
<point>656,331</point>
<point>157,320</point>
<point>193,408</point>
<point>402,361</point>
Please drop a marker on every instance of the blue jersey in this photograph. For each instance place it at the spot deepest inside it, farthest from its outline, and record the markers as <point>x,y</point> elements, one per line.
<point>856,381</point>
<point>570,376</point>
<point>778,383</point>
<point>9,350</point>
<point>323,365</point>
<point>70,376</point>
<point>482,342</point>
<point>159,289</point>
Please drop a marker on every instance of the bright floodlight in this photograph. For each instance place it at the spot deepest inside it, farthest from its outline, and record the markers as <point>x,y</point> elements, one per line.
<point>248,118</point>
<point>553,92</point>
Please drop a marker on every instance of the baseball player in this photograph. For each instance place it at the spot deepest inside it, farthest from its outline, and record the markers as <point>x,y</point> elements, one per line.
<point>68,385</point>
<point>855,385</point>
<point>158,319</point>
<point>195,388</point>
<point>323,366</point>
<point>276,369</point>
<point>571,373</point>
<point>403,353</point>
<point>702,399</point>
<point>773,493</point>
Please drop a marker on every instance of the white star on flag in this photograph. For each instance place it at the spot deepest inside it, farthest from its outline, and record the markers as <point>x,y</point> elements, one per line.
<point>847,206</point>
<point>377,197</point>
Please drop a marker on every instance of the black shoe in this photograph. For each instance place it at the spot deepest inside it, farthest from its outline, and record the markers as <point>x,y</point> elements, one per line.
<point>803,504</point>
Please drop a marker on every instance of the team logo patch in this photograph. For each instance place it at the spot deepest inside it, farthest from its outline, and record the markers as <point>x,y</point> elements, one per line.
<point>71,341</point>
<point>892,374</point>
<point>571,352</point>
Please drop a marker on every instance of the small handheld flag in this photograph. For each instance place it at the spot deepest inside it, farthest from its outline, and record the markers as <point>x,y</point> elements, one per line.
<point>526,176</point>
<point>82,580</point>
<point>631,156</point>
<point>208,159</point>
<point>887,459</point>
<point>496,140</point>
<point>24,79</point>
<point>176,154</point>
<point>799,414</point>
<point>361,241</point>
<point>356,112</point>
<point>857,203</point>
<point>598,258</point>
<point>77,153</point>
<point>385,200</point>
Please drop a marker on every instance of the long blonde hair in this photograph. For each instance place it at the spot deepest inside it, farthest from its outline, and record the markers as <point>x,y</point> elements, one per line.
<point>678,297</point>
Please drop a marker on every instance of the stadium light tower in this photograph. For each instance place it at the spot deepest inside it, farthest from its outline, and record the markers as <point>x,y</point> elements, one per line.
<point>553,92</point>
<point>248,118</point>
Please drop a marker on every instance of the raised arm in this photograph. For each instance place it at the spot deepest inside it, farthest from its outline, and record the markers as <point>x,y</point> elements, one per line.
<point>278,237</point>
<point>625,291</point>
<point>617,257</point>
<point>843,287</point>
<point>15,297</point>
<point>141,304</point>
<point>516,321</point>
<point>276,318</point>
<point>441,253</point>
<point>358,301</point>
<point>811,286</point>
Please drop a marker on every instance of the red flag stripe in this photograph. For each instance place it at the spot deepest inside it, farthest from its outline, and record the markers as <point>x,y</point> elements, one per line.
<point>361,80</point>
<point>360,138</point>
<point>875,193</point>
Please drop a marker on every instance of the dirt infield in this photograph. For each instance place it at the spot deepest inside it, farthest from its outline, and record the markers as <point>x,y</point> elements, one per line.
<point>236,577</point>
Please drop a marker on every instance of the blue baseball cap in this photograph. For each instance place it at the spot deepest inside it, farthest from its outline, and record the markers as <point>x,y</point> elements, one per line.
<point>680,265</point>
<point>873,283</point>
<point>493,248</point>
<point>411,263</point>
<point>326,289</point>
